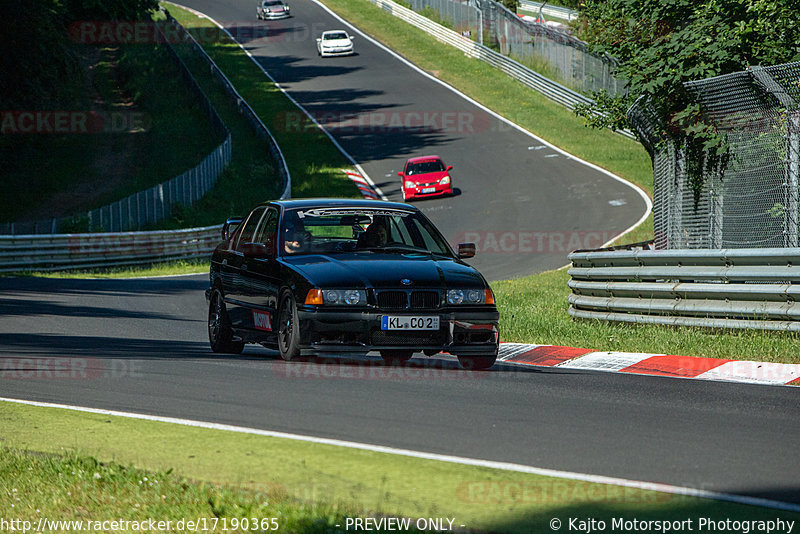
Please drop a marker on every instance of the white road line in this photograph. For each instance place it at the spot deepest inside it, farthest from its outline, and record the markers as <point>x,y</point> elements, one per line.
<point>295,102</point>
<point>504,466</point>
<point>380,45</point>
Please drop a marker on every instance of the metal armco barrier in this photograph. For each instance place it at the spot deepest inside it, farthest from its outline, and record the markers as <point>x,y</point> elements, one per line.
<point>549,11</point>
<point>244,108</point>
<point>552,90</point>
<point>86,251</point>
<point>722,288</point>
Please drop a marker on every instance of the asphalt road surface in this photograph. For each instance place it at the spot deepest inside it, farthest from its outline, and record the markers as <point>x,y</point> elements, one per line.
<point>525,204</point>
<point>141,346</point>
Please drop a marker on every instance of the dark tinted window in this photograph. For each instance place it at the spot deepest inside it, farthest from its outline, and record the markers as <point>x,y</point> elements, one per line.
<point>249,228</point>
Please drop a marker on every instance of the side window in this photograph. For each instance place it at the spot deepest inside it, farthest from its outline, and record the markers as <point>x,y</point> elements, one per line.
<point>249,228</point>
<point>269,228</point>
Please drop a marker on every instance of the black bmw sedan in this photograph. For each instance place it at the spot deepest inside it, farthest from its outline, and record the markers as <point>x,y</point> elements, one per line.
<point>344,276</point>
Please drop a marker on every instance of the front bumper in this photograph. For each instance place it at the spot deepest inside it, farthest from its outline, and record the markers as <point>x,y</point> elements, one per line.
<point>420,192</point>
<point>274,16</point>
<point>467,332</point>
<point>336,52</point>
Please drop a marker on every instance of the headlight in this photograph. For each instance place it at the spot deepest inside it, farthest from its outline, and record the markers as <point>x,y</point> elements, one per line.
<point>350,297</point>
<point>409,185</point>
<point>466,296</point>
<point>445,180</point>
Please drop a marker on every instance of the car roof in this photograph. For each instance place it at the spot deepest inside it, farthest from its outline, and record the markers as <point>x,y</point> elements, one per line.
<point>422,158</point>
<point>341,202</point>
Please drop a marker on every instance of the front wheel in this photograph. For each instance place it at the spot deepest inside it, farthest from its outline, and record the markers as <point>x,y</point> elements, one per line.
<point>220,333</point>
<point>288,327</point>
<point>477,363</point>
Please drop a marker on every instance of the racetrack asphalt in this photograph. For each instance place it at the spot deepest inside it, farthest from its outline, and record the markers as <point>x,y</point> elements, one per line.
<point>525,199</point>
<point>140,346</point>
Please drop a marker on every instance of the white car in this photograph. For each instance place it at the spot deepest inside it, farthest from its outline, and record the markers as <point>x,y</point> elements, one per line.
<point>335,43</point>
<point>272,10</point>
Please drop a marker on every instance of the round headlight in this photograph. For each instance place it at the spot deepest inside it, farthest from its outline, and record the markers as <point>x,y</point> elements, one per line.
<point>331,297</point>
<point>352,297</point>
<point>474,296</point>
<point>455,296</point>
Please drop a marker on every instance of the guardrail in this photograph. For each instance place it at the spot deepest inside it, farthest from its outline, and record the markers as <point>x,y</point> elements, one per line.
<point>244,108</point>
<point>552,90</point>
<point>548,10</point>
<point>85,251</point>
<point>722,288</point>
<point>52,252</point>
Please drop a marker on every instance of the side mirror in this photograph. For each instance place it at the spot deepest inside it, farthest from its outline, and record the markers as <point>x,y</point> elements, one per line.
<point>319,39</point>
<point>449,168</point>
<point>400,174</point>
<point>466,250</point>
<point>230,227</point>
<point>351,37</point>
<point>256,250</point>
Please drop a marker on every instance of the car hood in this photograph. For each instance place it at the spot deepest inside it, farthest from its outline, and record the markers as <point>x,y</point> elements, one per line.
<point>384,270</point>
<point>276,9</point>
<point>336,42</point>
<point>427,178</point>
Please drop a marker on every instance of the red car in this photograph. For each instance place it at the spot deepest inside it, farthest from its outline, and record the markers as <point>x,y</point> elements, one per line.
<point>426,176</point>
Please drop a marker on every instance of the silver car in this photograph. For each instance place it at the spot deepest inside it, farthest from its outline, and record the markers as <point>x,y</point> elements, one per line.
<point>272,10</point>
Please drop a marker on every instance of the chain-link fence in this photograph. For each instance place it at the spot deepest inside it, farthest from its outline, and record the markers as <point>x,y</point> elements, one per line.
<point>754,202</point>
<point>550,51</point>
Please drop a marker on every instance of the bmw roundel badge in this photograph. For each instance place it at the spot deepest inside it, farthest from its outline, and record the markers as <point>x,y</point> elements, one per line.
<point>405,282</point>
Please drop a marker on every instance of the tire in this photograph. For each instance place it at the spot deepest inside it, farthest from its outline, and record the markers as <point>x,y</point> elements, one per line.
<point>477,363</point>
<point>220,333</point>
<point>396,357</point>
<point>288,328</point>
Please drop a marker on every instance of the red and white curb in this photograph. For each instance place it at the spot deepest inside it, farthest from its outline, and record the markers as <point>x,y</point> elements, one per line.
<point>776,374</point>
<point>365,187</point>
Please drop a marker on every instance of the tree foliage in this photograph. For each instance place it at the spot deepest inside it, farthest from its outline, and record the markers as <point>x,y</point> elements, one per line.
<point>38,55</point>
<point>660,44</point>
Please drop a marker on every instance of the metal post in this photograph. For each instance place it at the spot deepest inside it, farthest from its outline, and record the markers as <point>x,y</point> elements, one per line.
<point>792,176</point>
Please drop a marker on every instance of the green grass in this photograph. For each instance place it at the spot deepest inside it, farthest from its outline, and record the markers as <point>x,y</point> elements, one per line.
<point>51,175</point>
<point>207,473</point>
<point>501,93</point>
<point>534,310</point>
<point>314,162</point>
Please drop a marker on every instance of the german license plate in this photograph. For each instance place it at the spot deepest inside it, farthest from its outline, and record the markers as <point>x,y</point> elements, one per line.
<point>428,189</point>
<point>409,322</point>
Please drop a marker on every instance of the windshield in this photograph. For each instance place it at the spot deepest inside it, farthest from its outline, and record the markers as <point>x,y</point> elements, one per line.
<point>342,230</point>
<point>424,167</point>
<point>333,36</point>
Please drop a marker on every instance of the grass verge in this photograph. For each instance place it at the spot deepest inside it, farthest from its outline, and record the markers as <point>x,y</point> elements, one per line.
<point>314,162</point>
<point>147,106</point>
<point>534,308</point>
<point>215,473</point>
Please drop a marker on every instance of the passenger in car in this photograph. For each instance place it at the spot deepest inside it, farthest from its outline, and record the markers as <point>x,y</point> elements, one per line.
<point>375,236</point>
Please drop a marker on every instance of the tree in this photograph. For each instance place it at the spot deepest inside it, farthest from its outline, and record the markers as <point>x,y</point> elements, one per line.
<point>660,44</point>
